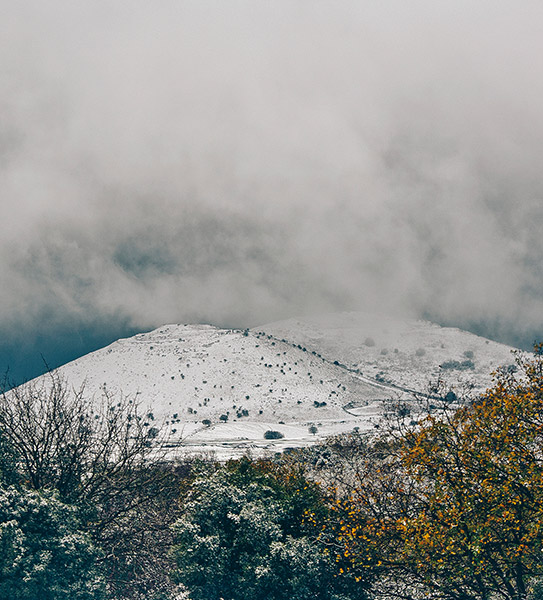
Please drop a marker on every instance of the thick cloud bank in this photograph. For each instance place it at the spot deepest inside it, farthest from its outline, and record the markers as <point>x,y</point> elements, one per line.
<point>239,162</point>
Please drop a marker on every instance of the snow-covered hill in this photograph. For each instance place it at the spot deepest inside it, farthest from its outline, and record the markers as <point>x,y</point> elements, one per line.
<point>406,353</point>
<point>221,389</point>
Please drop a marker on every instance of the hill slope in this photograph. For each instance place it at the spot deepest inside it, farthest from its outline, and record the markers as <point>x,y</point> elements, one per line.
<point>405,353</point>
<point>331,371</point>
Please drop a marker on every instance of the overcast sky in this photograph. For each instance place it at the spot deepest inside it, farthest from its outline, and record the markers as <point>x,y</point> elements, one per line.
<point>244,161</point>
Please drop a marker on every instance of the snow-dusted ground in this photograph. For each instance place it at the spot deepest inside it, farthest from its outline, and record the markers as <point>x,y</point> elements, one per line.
<point>331,372</point>
<point>405,352</point>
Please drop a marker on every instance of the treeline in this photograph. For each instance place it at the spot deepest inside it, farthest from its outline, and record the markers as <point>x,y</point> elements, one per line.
<point>446,505</point>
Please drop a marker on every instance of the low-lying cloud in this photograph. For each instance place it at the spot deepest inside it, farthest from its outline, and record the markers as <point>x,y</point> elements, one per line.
<point>246,161</point>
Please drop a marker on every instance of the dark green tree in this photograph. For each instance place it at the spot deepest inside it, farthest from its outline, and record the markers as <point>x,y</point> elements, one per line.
<point>100,455</point>
<point>243,535</point>
<point>43,552</point>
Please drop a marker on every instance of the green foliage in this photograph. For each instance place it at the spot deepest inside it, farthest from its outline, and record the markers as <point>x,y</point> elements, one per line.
<point>243,536</point>
<point>100,456</point>
<point>43,553</point>
<point>271,434</point>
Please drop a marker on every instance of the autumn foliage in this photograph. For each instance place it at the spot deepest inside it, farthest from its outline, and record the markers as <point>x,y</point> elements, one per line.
<point>444,503</point>
<point>452,507</point>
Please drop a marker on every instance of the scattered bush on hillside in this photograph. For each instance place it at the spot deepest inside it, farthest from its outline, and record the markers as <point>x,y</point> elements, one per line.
<point>273,435</point>
<point>457,365</point>
<point>369,341</point>
<point>450,396</point>
<point>153,433</point>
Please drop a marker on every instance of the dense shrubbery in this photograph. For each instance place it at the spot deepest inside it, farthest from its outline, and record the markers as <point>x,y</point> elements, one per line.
<point>272,434</point>
<point>446,505</point>
<point>43,551</point>
<point>244,535</point>
<point>89,468</point>
<point>456,365</point>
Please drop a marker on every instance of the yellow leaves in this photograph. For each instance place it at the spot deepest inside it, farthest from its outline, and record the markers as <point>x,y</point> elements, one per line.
<point>458,495</point>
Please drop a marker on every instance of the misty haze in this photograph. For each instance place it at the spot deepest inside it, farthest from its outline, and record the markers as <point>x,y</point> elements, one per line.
<point>271,300</point>
<point>240,163</point>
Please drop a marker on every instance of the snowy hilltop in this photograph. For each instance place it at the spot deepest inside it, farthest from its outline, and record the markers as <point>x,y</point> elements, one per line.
<point>304,378</point>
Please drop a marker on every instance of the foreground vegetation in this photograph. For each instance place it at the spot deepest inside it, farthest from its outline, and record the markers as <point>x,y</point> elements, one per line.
<point>445,506</point>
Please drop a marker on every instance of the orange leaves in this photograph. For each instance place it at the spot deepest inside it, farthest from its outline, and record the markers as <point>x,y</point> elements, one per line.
<point>458,500</point>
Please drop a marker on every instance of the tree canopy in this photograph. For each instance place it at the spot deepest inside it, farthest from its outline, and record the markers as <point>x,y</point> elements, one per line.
<point>43,551</point>
<point>445,504</point>
<point>243,535</point>
<point>454,505</point>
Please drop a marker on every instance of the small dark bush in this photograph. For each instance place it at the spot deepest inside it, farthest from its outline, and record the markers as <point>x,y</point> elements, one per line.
<point>457,365</point>
<point>273,435</point>
<point>450,396</point>
<point>403,411</point>
<point>153,432</point>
